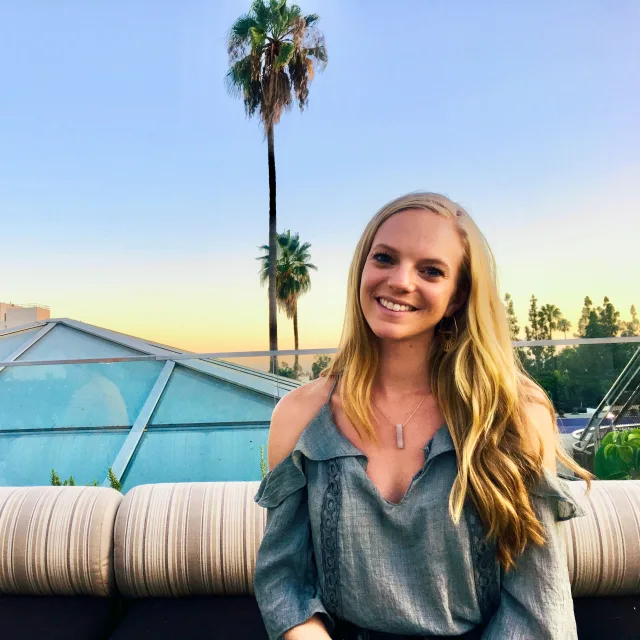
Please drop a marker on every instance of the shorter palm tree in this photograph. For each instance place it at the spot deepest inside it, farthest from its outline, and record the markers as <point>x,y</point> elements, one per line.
<point>564,325</point>
<point>549,316</point>
<point>292,277</point>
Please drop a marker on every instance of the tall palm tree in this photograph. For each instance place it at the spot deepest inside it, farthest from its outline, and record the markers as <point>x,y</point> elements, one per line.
<point>550,315</point>
<point>274,52</point>
<point>564,325</point>
<point>292,277</point>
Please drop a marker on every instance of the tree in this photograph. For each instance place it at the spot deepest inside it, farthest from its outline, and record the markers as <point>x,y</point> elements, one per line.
<point>292,278</point>
<point>584,317</point>
<point>564,325</point>
<point>274,52</point>
<point>514,329</point>
<point>549,316</point>
<point>286,371</point>
<point>320,363</point>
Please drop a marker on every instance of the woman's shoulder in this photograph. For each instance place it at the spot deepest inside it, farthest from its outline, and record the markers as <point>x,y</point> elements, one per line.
<point>291,416</point>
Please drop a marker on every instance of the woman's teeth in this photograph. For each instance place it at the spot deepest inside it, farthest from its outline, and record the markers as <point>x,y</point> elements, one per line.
<point>394,307</point>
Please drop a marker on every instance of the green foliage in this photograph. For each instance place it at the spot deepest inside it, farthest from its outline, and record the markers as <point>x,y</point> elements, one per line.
<point>263,463</point>
<point>55,481</point>
<point>320,363</point>
<point>514,329</point>
<point>577,377</point>
<point>618,457</point>
<point>274,52</point>
<point>286,371</point>
<point>113,481</point>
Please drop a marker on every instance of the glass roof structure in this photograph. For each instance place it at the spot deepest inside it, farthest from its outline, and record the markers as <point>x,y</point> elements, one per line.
<point>151,420</point>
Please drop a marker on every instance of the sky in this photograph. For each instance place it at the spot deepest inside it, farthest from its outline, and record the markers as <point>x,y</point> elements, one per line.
<point>134,193</point>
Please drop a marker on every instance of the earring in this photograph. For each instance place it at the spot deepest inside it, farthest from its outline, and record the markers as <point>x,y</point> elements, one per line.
<point>449,336</point>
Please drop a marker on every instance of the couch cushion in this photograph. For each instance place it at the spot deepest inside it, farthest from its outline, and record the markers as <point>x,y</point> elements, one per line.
<point>188,539</point>
<point>57,540</point>
<point>602,618</point>
<point>603,547</point>
<point>194,617</point>
<point>57,617</point>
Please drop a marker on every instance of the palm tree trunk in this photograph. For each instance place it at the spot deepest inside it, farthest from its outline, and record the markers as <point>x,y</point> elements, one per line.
<point>273,320</point>
<point>295,338</point>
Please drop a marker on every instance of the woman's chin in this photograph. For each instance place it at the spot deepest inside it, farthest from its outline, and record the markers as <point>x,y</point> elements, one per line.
<point>387,331</point>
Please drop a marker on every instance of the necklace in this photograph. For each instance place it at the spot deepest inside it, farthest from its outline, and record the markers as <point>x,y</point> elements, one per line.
<point>399,426</point>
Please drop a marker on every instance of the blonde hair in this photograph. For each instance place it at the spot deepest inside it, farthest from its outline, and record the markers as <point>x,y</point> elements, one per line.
<point>480,386</point>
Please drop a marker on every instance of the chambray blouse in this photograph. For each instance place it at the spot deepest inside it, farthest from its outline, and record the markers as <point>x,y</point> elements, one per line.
<point>334,546</point>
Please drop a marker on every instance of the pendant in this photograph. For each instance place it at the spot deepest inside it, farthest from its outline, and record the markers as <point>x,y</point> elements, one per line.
<point>399,436</point>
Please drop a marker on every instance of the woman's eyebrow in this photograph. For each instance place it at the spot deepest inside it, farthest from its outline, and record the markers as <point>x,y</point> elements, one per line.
<point>434,261</point>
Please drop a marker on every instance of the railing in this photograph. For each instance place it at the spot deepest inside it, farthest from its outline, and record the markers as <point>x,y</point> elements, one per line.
<point>28,305</point>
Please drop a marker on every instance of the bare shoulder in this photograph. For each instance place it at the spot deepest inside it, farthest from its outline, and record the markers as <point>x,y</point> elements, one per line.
<point>541,426</point>
<point>292,415</point>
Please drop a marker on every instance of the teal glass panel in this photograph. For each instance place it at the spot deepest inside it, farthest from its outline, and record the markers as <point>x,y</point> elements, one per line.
<point>65,343</point>
<point>27,459</point>
<point>194,454</point>
<point>9,343</point>
<point>79,395</point>
<point>192,397</point>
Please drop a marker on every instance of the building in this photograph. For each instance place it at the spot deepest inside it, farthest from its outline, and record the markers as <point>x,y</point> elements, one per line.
<point>16,315</point>
<point>149,417</point>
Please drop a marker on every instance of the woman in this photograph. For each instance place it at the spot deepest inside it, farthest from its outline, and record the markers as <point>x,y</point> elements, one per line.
<point>413,489</point>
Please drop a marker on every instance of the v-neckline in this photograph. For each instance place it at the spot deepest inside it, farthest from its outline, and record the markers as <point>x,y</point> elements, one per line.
<point>358,452</point>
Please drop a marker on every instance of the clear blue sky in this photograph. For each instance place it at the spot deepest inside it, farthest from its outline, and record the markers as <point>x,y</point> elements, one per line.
<point>133,190</point>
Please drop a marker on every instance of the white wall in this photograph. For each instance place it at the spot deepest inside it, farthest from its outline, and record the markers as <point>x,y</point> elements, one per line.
<point>14,316</point>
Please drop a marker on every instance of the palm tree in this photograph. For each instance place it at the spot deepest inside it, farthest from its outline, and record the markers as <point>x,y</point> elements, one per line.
<point>292,277</point>
<point>550,315</point>
<point>274,52</point>
<point>564,325</point>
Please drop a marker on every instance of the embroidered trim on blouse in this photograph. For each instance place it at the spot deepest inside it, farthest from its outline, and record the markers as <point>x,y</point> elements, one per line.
<point>330,514</point>
<point>483,555</point>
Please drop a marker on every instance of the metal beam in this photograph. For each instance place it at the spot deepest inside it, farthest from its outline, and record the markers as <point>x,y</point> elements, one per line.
<point>182,356</point>
<point>27,345</point>
<point>132,440</point>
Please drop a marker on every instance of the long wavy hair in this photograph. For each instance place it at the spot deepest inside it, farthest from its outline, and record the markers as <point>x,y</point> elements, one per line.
<point>480,386</point>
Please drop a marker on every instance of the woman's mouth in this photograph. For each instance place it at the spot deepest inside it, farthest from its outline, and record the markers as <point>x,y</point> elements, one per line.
<point>395,308</point>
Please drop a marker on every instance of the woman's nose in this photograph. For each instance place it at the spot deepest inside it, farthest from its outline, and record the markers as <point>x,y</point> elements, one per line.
<point>402,278</point>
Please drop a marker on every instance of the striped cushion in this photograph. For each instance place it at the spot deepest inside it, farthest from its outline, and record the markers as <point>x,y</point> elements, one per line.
<point>202,538</point>
<point>188,538</point>
<point>57,540</point>
<point>603,548</point>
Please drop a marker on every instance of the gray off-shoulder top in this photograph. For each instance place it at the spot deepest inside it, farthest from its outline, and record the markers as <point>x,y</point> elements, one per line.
<point>334,546</point>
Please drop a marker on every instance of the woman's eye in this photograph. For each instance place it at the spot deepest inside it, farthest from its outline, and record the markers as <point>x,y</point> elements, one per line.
<point>433,272</point>
<point>382,258</point>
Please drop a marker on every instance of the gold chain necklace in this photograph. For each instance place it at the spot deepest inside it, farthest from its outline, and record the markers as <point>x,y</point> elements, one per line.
<point>399,426</point>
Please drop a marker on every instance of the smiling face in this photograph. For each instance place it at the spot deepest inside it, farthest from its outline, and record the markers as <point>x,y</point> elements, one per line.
<point>409,278</point>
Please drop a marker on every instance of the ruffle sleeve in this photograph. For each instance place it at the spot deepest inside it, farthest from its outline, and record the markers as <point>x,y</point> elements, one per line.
<point>563,502</point>
<point>286,577</point>
<point>535,596</point>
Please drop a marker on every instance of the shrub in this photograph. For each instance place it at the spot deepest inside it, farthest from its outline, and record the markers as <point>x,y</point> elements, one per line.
<point>618,457</point>
<point>55,481</point>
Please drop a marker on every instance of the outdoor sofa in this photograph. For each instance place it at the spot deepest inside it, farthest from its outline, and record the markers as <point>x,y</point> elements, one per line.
<point>177,561</point>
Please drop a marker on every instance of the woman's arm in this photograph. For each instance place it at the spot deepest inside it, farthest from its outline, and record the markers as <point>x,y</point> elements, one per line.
<point>312,629</point>
<point>286,579</point>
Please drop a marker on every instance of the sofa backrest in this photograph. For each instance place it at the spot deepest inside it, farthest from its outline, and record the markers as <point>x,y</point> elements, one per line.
<point>57,540</point>
<point>188,539</point>
<point>203,538</point>
<point>603,547</point>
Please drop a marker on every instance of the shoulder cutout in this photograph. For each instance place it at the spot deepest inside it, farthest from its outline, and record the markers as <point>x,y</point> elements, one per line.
<point>292,415</point>
<point>541,428</point>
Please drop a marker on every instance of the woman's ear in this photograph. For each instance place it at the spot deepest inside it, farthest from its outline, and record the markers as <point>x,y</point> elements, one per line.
<point>457,301</point>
